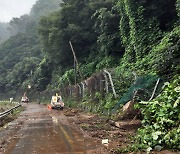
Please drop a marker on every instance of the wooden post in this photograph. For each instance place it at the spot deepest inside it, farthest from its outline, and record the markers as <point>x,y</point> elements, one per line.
<point>76,67</point>
<point>73,52</point>
<point>75,62</point>
<point>106,83</point>
<point>75,72</point>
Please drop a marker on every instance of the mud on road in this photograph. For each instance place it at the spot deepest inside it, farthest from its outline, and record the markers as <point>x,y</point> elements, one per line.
<point>39,130</point>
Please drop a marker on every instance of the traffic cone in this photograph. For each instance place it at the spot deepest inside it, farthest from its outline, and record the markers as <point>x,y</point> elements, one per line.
<point>49,107</point>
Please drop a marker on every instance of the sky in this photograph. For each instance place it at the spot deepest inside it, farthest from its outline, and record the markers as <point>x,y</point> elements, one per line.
<point>14,8</point>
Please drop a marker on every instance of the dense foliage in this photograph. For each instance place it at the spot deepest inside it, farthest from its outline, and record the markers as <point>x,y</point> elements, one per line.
<point>105,33</point>
<point>161,123</point>
<point>21,54</point>
<point>138,36</point>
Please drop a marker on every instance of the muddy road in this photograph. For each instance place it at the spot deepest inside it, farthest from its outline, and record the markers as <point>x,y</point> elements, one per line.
<point>41,131</point>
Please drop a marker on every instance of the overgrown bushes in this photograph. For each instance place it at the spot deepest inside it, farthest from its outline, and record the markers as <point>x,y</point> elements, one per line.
<point>161,123</point>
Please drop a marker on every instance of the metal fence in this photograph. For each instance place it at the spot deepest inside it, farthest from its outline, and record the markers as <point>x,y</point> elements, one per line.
<point>101,82</point>
<point>104,82</point>
<point>5,113</point>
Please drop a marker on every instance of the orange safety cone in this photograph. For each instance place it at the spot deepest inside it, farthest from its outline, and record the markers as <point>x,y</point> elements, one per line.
<point>49,107</point>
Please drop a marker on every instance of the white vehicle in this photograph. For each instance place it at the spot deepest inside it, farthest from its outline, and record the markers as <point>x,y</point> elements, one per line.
<point>56,102</point>
<point>24,99</point>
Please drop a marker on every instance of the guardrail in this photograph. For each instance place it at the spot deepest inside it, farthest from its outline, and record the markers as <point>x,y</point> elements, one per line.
<point>5,113</point>
<point>4,101</point>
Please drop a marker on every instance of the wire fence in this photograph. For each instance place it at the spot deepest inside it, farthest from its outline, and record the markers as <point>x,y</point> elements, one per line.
<point>101,83</point>
<point>105,82</point>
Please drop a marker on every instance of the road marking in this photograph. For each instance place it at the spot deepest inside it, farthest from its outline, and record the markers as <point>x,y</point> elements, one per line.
<point>55,120</point>
<point>63,131</point>
<point>66,135</point>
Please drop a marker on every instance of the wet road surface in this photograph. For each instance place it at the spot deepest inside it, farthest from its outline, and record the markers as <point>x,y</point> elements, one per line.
<point>40,131</point>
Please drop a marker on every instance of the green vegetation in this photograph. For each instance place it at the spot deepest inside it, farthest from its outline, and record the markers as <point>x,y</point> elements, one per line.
<point>21,54</point>
<point>122,34</point>
<point>127,36</point>
<point>162,118</point>
<point>4,105</point>
<point>99,104</point>
<point>161,121</point>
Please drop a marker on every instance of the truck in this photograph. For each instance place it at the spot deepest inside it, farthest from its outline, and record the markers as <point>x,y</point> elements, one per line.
<point>57,103</point>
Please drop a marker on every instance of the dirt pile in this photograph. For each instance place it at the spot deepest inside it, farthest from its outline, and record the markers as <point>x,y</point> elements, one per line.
<point>101,128</point>
<point>71,112</point>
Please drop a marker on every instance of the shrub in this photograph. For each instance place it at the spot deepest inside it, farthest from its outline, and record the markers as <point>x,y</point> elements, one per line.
<point>161,119</point>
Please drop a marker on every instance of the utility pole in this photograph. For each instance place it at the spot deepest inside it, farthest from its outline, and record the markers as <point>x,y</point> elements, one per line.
<point>76,66</point>
<point>75,62</point>
<point>75,59</point>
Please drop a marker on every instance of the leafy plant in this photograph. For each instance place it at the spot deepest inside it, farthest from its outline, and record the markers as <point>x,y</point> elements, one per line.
<point>161,123</point>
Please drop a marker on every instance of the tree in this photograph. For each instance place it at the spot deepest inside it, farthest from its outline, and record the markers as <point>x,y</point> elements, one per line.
<point>107,28</point>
